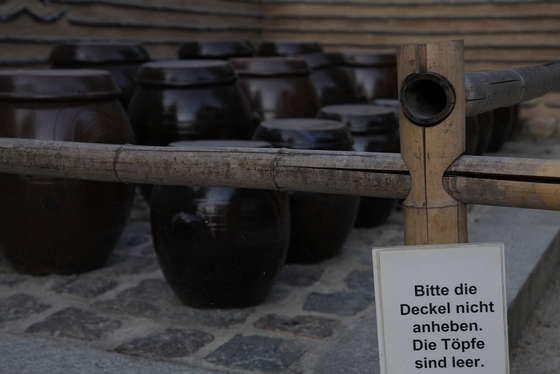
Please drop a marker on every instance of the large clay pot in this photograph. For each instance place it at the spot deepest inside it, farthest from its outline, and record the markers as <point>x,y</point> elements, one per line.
<point>471,135</point>
<point>57,225</point>
<point>375,73</point>
<point>188,100</point>
<point>277,87</point>
<point>220,247</point>
<point>320,222</point>
<point>215,49</point>
<point>374,129</point>
<point>504,123</point>
<point>120,59</point>
<point>485,128</point>
<point>331,79</point>
<point>287,48</point>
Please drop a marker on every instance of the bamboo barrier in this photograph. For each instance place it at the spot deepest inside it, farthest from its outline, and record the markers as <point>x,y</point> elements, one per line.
<point>498,181</point>
<point>431,174</point>
<point>426,98</point>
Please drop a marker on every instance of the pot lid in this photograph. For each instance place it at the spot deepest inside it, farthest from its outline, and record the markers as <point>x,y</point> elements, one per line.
<point>217,143</point>
<point>361,117</point>
<point>305,133</point>
<point>270,65</point>
<point>219,49</point>
<point>185,72</point>
<point>322,60</point>
<point>56,84</point>
<point>287,48</point>
<point>99,52</point>
<point>381,57</point>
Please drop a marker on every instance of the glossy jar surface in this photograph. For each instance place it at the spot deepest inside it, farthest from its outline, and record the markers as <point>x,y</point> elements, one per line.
<point>485,128</point>
<point>188,100</point>
<point>471,135</point>
<point>320,222</point>
<point>120,60</point>
<point>504,123</point>
<point>374,129</point>
<point>375,73</point>
<point>57,225</point>
<point>277,87</point>
<point>331,79</point>
<point>215,49</point>
<point>220,247</point>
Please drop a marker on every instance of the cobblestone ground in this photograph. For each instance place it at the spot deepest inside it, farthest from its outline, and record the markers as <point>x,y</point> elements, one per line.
<point>127,307</point>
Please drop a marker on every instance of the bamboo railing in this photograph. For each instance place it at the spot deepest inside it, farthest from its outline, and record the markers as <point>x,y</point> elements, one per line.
<point>432,174</point>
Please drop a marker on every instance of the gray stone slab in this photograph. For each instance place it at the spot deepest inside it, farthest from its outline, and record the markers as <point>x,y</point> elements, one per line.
<point>20,355</point>
<point>532,246</point>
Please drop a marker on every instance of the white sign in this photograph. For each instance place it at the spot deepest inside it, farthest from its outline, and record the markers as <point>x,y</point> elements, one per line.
<point>441,309</point>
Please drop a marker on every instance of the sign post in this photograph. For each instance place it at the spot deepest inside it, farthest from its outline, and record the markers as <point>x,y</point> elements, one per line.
<point>441,309</point>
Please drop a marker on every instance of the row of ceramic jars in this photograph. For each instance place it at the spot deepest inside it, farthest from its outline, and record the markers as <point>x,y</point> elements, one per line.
<point>360,75</point>
<point>373,75</point>
<point>223,247</point>
<point>58,225</point>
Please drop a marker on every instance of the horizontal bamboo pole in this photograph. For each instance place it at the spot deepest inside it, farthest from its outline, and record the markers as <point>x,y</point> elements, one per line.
<point>491,89</point>
<point>500,181</point>
<point>353,173</point>
<point>427,98</point>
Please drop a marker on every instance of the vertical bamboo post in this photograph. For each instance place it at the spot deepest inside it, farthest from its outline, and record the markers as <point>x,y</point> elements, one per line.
<point>431,216</point>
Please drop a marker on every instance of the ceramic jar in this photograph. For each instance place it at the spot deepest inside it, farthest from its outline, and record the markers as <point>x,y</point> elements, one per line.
<point>277,87</point>
<point>331,79</point>
<point>119,59</point>
<point>58,225</point>
<point>471,135</point>
<point>485,128</point>
<point>375,73</point>
<point>220,247</point>
<point>320,222</point>
<point>504,123</point>
<point>287,48</point>
<point>374,129</point>
<point>188,100</point>
<point>215,49</point>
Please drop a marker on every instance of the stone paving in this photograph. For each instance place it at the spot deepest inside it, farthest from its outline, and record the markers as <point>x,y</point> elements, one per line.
<point>127,307</point>
<point>313,321</point>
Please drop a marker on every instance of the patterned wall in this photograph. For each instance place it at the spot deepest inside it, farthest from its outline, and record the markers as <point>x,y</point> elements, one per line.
<point>497,33</point>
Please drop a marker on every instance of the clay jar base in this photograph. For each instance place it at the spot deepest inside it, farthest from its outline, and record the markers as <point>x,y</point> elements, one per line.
<point>320,225</point>
<point>374,211</point>
<point>65,227</point>
<point>220,247</point>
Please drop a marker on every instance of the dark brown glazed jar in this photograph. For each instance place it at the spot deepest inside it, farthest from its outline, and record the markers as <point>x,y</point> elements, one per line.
<point>389,103</point>
<point>215,49</point>
<point>287,48</point>
<point>188,100</point>
<point>56,225</point>
<point>220,247</point>
<point>277,87</point>
<point>331,79</point>
<point>119,59</point>
<point>504,122</point>
<point>320,222</point>
<point>485,128</point>
<point>374,129</point>
<point>471,135</point>
<point>375,73</point>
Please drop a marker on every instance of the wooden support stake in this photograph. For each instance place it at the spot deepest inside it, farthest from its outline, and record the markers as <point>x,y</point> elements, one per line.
<point>431,215</point>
